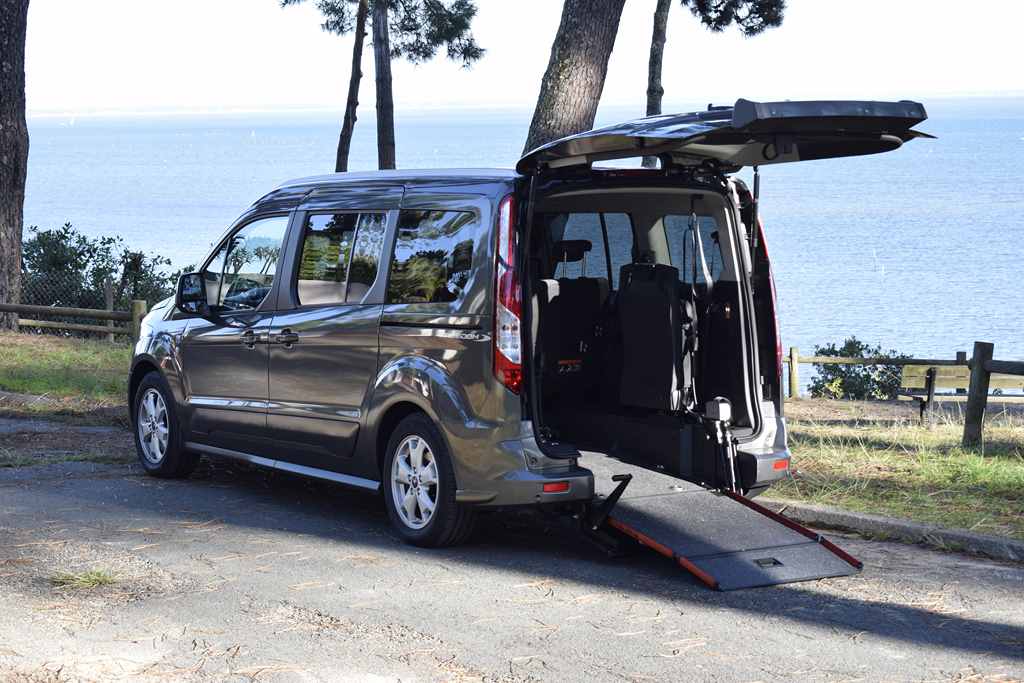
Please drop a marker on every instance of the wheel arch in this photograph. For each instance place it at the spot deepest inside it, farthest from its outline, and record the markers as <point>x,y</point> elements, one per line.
<point>141,368</point>
<point>389,421</point>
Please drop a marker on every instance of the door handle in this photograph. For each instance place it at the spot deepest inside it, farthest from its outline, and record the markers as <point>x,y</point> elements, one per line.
<point>248,338</point>
<point>286,337</point>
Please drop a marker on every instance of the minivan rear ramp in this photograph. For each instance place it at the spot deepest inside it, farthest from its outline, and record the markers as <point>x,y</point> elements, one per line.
<point>725,540</point>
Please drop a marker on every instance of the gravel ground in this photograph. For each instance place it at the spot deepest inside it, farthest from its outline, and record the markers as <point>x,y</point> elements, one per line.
<point>244,575</point>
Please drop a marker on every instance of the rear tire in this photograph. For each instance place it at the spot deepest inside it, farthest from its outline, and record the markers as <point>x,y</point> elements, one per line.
<point>158,438</point>
<point>419,487</point>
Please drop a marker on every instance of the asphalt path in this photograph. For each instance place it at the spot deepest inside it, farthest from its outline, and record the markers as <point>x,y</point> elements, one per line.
<point>248,575</point>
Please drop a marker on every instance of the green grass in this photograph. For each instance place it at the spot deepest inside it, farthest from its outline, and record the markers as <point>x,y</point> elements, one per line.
<point>902,469</point>
<point>94,578</point>
<point>63,367</point>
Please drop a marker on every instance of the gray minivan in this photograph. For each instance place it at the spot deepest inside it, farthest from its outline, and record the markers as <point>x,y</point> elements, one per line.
<point>463,339</point>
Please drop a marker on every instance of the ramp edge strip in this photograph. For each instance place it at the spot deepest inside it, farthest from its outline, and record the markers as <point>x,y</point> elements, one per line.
<point>786,521</point>
<point>661,549</point>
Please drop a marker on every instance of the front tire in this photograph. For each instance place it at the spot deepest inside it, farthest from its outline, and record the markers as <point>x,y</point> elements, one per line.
<point>158,439</point>
<point>419,487</point>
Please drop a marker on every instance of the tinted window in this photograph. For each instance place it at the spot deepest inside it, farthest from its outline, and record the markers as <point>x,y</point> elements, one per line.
<point>241,274</point>
<point>433,256</point>
<point>587,226</point>
<point>339,257</point>
<point>682,252</point>
<point>366,251</point>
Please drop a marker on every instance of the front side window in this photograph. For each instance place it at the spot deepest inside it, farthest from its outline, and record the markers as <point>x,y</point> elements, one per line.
<point>686,251</point>
<point>433,256</point>
<point>339,257</point>
<point>241,274</point>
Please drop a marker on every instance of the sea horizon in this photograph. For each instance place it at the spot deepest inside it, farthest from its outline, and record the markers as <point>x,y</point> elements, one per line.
<point>937,220</point>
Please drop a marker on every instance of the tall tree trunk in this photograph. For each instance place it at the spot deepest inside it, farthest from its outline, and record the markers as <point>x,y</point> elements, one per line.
<point>655,92</point>
<point>349,123</point>
<point>572,85</point>
<point>13,150</point>
<point>385,97</point>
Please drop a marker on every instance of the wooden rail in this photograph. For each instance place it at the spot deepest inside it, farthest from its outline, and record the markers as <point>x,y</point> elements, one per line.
<point>981,363</point>
<point>67,311</point>
<point>133,318</point>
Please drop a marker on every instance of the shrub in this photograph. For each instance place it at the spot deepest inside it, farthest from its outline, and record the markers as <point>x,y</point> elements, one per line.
<point>856,381</point>
<point>62,267</point>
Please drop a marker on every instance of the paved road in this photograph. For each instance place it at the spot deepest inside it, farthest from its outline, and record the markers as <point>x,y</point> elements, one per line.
<point>256,576</point>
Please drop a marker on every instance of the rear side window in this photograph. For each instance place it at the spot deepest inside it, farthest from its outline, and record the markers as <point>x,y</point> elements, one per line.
<point>587,226</point>
<point>433,256</point>
<point>685,256</point>
<point>340,254</point>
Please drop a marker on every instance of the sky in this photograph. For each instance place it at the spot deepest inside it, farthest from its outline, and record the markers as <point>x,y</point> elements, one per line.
<point>140,56</point>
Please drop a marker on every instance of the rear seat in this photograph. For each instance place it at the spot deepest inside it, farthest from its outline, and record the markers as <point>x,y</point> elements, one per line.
<point>648,311</point>
<point>566,313</point>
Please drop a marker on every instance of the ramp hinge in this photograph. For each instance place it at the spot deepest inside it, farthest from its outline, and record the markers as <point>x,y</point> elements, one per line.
<point>600,513</point>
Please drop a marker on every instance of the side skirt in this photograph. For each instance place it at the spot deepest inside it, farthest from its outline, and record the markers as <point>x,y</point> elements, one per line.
<point>316,473</point>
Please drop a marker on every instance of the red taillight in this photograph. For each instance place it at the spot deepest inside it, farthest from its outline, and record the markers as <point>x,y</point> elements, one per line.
<point>508,306</point>
<point>556,487</point>
<point>775,305</point>
<point>780,465</point>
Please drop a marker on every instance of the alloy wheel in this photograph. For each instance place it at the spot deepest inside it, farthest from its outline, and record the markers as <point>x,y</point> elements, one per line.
<point>414,482</point>
<point>153,426</point>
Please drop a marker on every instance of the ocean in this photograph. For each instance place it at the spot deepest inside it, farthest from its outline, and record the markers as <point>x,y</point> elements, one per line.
<point>918,250</point>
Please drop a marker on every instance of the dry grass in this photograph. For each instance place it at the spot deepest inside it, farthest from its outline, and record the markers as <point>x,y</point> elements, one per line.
<point>892,465</point>
<point>93,578</point>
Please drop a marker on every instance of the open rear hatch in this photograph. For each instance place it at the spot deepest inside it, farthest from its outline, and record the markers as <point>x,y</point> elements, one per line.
<point>746,134</point>
<point>725,539</point>
<point>701,149</point>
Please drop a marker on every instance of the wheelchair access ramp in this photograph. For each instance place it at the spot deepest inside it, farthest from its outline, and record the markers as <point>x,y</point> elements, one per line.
<point>725,540</point>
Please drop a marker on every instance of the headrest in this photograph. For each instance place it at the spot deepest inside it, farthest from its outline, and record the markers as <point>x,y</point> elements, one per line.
<point>570,250</point>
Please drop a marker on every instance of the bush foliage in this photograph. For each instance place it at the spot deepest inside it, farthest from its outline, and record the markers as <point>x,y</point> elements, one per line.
<point>63,267</point>
<point>861,382</point>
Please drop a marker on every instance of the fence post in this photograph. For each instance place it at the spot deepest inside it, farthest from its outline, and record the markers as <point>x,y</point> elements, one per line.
<point>961,357</point>
<point>138,313</point>
<point>977,394</point>
<point>794,372</point>
<point>108,299</point>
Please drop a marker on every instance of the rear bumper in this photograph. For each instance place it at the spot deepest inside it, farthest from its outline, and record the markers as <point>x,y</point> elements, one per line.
<point>762,468</point>
<point>525,487</point>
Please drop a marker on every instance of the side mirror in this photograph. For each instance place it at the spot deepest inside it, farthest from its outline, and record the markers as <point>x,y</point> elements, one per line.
<point>191,295</point>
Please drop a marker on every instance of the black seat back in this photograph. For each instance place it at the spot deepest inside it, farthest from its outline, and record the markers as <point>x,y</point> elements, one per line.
<point>648,310</point>
<point>566,314</point>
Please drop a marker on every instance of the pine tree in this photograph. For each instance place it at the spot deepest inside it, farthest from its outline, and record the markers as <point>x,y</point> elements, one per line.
<point>13,150</point>
<point>406,29</point>
<point>572,84</point>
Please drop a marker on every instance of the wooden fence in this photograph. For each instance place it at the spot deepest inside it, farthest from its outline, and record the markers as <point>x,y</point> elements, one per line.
<point>133,317</point>
<point>981,364</point>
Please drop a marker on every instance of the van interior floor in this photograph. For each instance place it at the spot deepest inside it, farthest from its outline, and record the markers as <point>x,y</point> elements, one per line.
<point>725,540</point>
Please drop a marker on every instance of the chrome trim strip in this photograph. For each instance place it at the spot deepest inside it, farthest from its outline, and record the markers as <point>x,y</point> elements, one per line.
<point>337,477</point>
<point>228,453</point>
<point>228,403</point>
<point>313,410</point>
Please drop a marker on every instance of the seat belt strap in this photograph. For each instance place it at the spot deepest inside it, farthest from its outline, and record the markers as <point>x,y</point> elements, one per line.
<point>699,248</point>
